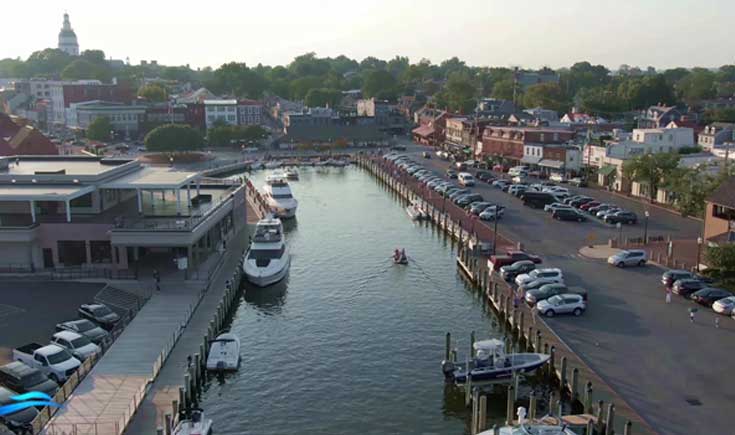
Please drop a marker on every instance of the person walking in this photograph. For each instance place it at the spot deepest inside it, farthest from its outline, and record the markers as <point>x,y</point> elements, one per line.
<point>691,315</point>
<point>717,321</point>
<point>668,295</point>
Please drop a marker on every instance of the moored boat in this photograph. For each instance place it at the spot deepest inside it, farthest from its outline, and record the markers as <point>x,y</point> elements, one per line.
<point>279,197</point>
<point>415,212</point>
<point>291,174</point>
<point>224,353</point>
<point>267,261</point>
<point>491,363</point>
<point>548,425</point>
<point>198,424</point>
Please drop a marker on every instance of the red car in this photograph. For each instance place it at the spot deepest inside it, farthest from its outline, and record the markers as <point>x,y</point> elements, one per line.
<point>589,205</point>
<point>497,261</point>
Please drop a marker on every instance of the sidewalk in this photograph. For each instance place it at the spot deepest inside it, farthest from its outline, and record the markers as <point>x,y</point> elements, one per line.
<point>157,402</point>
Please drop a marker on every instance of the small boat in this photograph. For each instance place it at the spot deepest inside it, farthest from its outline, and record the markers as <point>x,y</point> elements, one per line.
<point>337,163</point>
<point>400,258</point>
<point>198,424</point>
<point>548,425</point>
<point>224,353</point>
<point>415,212</point>
<point>291,174</point>
<point>491,363</point>
<point>267,260</point>
<point>273,164</point>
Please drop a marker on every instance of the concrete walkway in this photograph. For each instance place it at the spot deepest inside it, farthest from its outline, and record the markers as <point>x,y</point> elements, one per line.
<point>165,389</point>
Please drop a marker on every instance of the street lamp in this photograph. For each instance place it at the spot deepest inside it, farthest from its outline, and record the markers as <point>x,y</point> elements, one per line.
<point>645,227</point>
<point>699,251</point>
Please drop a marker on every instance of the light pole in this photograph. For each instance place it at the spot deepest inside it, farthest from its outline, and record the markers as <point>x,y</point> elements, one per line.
<point>645,227</point>
<point>620,233</point>
<point>699,251</point>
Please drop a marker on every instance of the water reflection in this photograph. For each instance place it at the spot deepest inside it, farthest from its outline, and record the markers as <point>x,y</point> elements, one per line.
<point>268,300</point>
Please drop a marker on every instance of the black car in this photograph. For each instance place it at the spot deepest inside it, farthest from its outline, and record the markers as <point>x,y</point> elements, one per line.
<point>99,314</point>
<point>624,217</point>
<point>685,287</point>
<point>86,328</point>
<point>708,295</point>
<point>671,276</point>
<point>579,201</point>
<point>23,379</point>
<point>567,214</point>
<point>510,272</point>
<point>484,176</point>
<point>19,420</point>
<point>465,200</point>
<point>574,198</point>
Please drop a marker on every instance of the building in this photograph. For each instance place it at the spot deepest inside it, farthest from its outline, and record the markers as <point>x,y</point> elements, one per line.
<point>462,133</point>
<point>64,94</point>
<point>322,126</point>
<point>17,139</point>
<point>194,97</point>
<point>544,115</point>
<point>552,158</point>
<point>92,213</point>
<point>716,135</point>
<point>658,116</point>
<point>719,217</point>
<point>432,125</point>
<point>718,103</point>
<point>220,111</point>
<point>495,108</point>
<point>125,119</point>
<point>68,39</point>
<point>249,112</point>
<point>508,143</point>
<point>575,118</point>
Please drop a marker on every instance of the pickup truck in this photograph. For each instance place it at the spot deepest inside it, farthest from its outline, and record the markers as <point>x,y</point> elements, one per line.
<point>52,360</point>
<point>495,262</point>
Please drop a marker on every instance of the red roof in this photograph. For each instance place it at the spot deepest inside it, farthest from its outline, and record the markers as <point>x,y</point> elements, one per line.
<point>424,130</point>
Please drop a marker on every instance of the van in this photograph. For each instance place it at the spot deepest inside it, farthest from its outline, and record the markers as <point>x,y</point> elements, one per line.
<point>466,179</point>
<point>537,199</point>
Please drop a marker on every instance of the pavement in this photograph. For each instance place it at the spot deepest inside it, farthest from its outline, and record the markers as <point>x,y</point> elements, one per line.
<point>675,373</point>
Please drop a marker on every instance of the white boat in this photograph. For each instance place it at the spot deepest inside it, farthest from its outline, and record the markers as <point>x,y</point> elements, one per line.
<point>198,424</point>
<point>273,164</point>
<point>267,260</point>
<point>415,212</point>
<point>224,352</point>
<point>291,174</point>
<point>548,425</point>
<point>337,163</point>
<point>491,363</point>
<point>278,196</point>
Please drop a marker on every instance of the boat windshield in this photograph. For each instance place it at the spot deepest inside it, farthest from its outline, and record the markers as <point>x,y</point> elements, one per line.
<point>266,254</point>
<point>281,195</point>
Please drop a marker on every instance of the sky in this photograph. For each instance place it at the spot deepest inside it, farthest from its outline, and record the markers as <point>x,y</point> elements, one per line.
<point>525,33</point>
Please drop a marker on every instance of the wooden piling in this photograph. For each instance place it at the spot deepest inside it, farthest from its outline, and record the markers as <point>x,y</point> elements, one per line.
<point>472,342</point>
<point>509,406</point>
<point>552,363</point>
<point>590,429</point>
<point>532,405</point>
<point>610,419</point>
<point>482,424</point>
<point>167,424</point>
<point>159,430</point>
<point>575,384</point>
<point>600,414</point>
<point>475,411</point>
<point>189,394</point>
<point>588,398</point>
<point>563,374</point>
<point>447,346</point>
<point>176,412</point>
<point>182,402</point>
<point>197,372</point>
<point>537,347</point>
<point>468,390</point>
<point>628,428</point>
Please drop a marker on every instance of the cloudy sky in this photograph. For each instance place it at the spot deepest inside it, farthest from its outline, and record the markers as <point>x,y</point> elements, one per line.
<point>528,33</point>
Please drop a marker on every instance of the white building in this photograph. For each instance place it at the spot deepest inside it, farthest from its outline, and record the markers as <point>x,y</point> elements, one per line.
<point>124,118</point>
<point>68,39</point>
<point>220,111</point>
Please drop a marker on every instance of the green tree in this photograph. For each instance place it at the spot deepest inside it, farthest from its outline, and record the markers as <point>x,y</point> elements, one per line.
<point>380,84</point>
<point>100,129</point>
<point>11,68</point>
<point>321,97</point>
<point>719,115</point>
<point>459,93</point>
<point>153,92</point>
<point>174,137</point>
<point>640,92</point>
<point>654,170</point>
<point>696,86</point>
<point>81,69</point>
<point>722,258</point>
<point>298,88</point>
<point>503,89</point>
<point>48,62</point>
<point>546,95</point>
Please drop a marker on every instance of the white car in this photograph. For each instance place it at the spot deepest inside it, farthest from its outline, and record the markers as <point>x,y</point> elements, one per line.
<point>562,304</point>
<point>519,179</point>
<point>549,272</point>
<point>556,206</point>
<point>632,257</point>
<point>466,179</point>
<point>559,178</point>
<point>491,213</point>
<point>725,306</point>
<point>80,346</point>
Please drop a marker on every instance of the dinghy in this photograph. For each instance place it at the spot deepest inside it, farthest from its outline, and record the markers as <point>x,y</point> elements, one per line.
<point>224,353</point>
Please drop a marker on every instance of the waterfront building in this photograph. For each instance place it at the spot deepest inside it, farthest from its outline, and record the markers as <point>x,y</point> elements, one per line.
<point>716,135</point>
<point>249,112</point>
<point>68,39</point>
<point>63,94</point>
<point>432,124</point>
<point>719,217</point>
<point>508,143</point>
<point>125,119</point>
<point>220,112</point>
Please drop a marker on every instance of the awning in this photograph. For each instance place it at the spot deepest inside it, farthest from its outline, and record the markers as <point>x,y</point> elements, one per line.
<point>531,160</point>
<point>48,192</point>
<point>424,130</point>
<point>555,164</point>
<point>153,178</point>
<point>607,170</point>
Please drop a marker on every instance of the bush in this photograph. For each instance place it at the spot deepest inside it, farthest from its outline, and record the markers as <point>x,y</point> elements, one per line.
<point>174,137</point>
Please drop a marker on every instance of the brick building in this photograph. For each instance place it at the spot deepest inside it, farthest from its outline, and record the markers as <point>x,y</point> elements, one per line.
<point>509,142</point>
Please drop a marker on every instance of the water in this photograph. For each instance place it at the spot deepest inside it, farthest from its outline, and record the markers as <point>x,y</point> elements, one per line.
<point>350,342</point>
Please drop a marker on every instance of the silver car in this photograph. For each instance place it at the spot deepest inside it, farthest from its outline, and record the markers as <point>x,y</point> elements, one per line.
<point>562,304</point>
<point>631,257</point>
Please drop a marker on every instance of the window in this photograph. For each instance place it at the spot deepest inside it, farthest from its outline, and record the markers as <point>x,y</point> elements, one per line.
<point>723,212</point>
<point>101,251</point>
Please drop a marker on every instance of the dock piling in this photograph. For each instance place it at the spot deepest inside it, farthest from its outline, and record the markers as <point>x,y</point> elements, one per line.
<point>563,374</point>
<point>532,405</point>
<point>167,424</point>
<point>482,424</point>
<point>628,428</point>
<point>610,419</point>
<point>575,382</point>
<point>588,398</point>
<point>447,346</point>
<point>510,405</point>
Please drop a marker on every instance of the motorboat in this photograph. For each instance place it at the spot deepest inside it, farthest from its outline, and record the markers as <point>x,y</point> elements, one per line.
<point>415,212</point>
<point>224,353</point>
<point>291,174</point>
<point>337,163</point>
<point>491,363</point>
<point>400,257</point>
<point>278,196</point>
<point>272,164</point>
<point>548,425</point>
<point>267,260</point>
<point>198,424</point>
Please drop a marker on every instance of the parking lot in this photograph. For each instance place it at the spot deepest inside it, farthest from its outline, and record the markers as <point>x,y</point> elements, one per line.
<point>29,310</point>
<point>674,372</point>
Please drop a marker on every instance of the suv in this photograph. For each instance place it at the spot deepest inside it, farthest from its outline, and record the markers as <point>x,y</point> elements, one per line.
<point>451,173</point>
<point>86,328</point>
<point>100,314</point>
<point>632,257</point>
<point>624,217</point>
<point>549,272</point>
<point>671,276</point>
<point>562,304</point>
<point>468,199</point>
<point>79,346</point>
<point>568,214</point>
<point>510,272</point>
<point>23,379</point>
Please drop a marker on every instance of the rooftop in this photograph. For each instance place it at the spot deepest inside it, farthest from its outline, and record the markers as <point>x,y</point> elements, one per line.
<point>42,193</point>
<point>24,166</point>
<point>153,178</point>
<point>725,194</point>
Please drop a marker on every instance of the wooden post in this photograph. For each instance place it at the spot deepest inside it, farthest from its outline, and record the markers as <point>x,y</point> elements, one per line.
<point>509,406</point>
<point>167,424</point>
<point>537,347</point>
<point>575,384</point>
<point>175,409</point>
<point>552,362</point>
<point>454,355</point>
<point>521,324</point>
<point>532,405</point>
<point>182,402</point>
<point>588,398</point>
<point>563,376</point>
<point>610,419</point>
<point>475,410</point>
<point>590,430</point>
<point>472,342</point>
<point>197,372</point>
<point>189,394</point>
<point>468,390</point>
<point>159,430</point>
<point>447,346</point>
<point>628,428</point>
<point>600,412</point>
<point>482,424</point>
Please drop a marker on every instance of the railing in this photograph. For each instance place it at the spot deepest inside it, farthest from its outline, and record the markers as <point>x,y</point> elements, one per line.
<point>16,268</point>
<point>91,273</point>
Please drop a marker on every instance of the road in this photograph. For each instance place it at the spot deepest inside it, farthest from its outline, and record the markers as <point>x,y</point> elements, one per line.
<point>676,374</point>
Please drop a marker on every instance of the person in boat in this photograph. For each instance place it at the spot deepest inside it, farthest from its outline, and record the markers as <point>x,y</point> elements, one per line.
<point>396,255</point>
<point>404,259</point>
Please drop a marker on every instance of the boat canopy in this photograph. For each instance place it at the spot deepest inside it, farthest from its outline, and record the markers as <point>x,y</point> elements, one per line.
<point>486,348</point>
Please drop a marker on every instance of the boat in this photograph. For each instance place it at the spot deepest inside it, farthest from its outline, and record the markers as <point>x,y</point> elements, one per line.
<point>491,363</point>
<point>267,260</point>
<point>272,164</point>
<point>548,425</point>
<point>336,163</point>
<point>291,174</point>
<point>198,424</point>
<point>278,196</point>
<point>415,212</point>
<point>224,353</point>
<point>400,257</point>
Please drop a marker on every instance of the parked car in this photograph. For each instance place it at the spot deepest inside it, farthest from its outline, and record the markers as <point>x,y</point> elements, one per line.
<point>671,276</point>
<point>580,201</point>
<point>52,360</point>
<point>562,304</point>
<point>509,272</point>
<point>18,421</point>
<point>574,197</point>
<point>588,205</point>
<point>479,207</point>
<point>491,213</point>
<point>537,199</point>
<point>467,199</point>
<point>602,207</point>
<point>79,346</point>
<point>604,213</point>
<point>519,179</point>
<point>568,214</point>
<point>578,181</point>
<point>724,305</point>
<point>466,179</point>
<point>548,272</point>
<point>631,257</point>
<point>544,292</point>
<point>100,314</point>
<point>624,217</point>
<point>495,262</point>
<point>451,173</point>
<point>426,154</point>
<point>538,283</point>
<point>559,178</point>
<point>22,378</point>
<point>709,295</point>
<point>86,328</point>
<point>484,176</point>
<point>555,206</point>
<point>457,193</point>
<point>685,287</point>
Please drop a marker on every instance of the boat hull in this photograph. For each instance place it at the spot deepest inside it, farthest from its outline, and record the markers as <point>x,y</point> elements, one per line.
<point>264,279</point>
<point>518,364</point>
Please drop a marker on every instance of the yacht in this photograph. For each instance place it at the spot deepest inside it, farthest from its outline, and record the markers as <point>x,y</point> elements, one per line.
<point>224,353</point>
<point>548,425</point>
<point>267,260</point>
<point>292,174</point>
<point>279,197</point>
<point>491,363</point>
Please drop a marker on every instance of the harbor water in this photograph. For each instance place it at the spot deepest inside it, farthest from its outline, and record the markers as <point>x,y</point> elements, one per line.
<point>350,342</point>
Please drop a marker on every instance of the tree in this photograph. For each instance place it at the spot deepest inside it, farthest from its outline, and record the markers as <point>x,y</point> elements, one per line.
<point>153,92</point>
<point>380,84</point>
<point>546,95</point>
<point>459,94</point>
<point>654,170</point>
<point>722,258</point>
<point>640,92</point>
<point>719,115</point>
<point>321,97</point>
<point>100,129</point>
<point>503,89</point>
<point>174,137</point>
<point>697,86</point>
<point>81,69</point>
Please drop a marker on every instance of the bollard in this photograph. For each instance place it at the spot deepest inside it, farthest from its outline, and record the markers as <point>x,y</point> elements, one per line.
<point>628,428</point>
<point>447,346</point>
<point>563,374</point>
<point>574,387</point>
<point>205,345</point>
<point>167,424</point>
<point>509,406</point>
<point>482,424</point>
<point>537,347</point>
<point>610,420</point>
<point>588,398</point>
<point>532,405</point>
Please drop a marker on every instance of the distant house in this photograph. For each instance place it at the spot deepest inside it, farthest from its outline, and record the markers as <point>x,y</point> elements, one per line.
<point>719,218</point>
<point>28,141</point>
<point>542,114</point>
<point>197,96</point>
<point>658,116</point>
<point>495,108</point>
<point>576,118</point>
<point>432,124</point>
<point>716,135</point>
